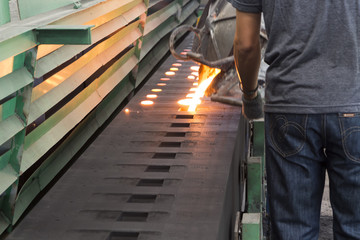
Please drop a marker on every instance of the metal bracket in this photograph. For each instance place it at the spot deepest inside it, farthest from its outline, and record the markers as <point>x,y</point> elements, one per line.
<point>178,13</point>
<point>77,5</point>
<point>237,228</point>
<point>64,34</point>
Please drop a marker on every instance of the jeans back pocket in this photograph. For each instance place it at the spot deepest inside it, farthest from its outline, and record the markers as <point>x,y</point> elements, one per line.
<point>288,133</point>
<point>350,135</point>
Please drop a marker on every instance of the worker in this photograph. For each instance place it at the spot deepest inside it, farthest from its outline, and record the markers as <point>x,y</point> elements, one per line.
<point>312,109</point>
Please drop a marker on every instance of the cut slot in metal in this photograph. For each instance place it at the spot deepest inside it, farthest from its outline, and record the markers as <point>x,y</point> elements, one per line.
<point>133,217</point>
<point>175,134</point>
<point>150,182</point>
<point>123,236</point>
<point>142,198</point>
<point>157,168</point>
<point>180,125</point>
<point>170,144</point>
<point>164,155</point>
<point>184,117</point>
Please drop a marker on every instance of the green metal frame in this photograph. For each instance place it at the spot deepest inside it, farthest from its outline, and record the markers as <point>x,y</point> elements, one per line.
<point>111,27</point>
<point>35,7</point>
<point>254,184</point>
<point>252,219</point>
<point>251,226</point>
<point>59,34</point>
<point>4,12</point>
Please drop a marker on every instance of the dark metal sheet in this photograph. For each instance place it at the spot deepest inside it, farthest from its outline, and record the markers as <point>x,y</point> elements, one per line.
<point>136,182</point>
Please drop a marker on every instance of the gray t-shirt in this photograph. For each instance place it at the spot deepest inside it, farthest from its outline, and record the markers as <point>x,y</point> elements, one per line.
<point>313,53</point>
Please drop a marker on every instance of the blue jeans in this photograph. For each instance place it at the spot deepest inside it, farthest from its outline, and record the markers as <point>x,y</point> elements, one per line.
<point>299,149</point>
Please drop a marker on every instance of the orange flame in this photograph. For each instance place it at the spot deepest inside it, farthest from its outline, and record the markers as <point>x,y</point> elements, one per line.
<point>195,68</point>
<point>199,92</point>
<point>195,74</point>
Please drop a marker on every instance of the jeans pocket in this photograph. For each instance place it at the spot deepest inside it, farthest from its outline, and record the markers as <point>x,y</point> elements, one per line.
<point>350,135</point>
<point>288,133</point>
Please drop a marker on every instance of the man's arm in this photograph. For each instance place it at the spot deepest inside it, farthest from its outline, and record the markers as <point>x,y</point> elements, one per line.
<point>247,51</point>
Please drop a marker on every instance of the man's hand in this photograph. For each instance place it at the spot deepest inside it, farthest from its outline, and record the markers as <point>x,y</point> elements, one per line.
<point>252,108</point>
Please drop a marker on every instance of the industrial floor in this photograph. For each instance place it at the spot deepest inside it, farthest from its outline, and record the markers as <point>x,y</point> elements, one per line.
<point>155,173</point>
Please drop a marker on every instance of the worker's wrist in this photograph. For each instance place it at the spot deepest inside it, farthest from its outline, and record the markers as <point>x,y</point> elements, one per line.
<point>250,94</point>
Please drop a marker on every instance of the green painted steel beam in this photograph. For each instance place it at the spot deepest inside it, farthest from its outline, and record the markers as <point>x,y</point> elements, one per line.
<point>9,128</point>
<point>5,158</point>
<point>251,226</point>
<point>13,82</point>
<point>4,224</point>
<point>188,9</point>
<point>153,3</point>
<point>76,73</point>
<point>6,199</point>
<point>254,185</point>
<point>98,9</point>
<point>259,138</point>
<point>154,36</point>
<point>12,46</point>
<point>64,34</point>
<point>45,136</point>
<point>34,7</point>
<point>155,46</point>
<point>4,12</point>
<point>66,52</point>
<point>19,37</point>
<point>7,177</point>
<point>157,18</point>
<point>165,26</point>
<point>8,108</point>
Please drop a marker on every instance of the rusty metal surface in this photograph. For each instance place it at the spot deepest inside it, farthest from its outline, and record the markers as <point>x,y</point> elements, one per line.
<point>153,173</point>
